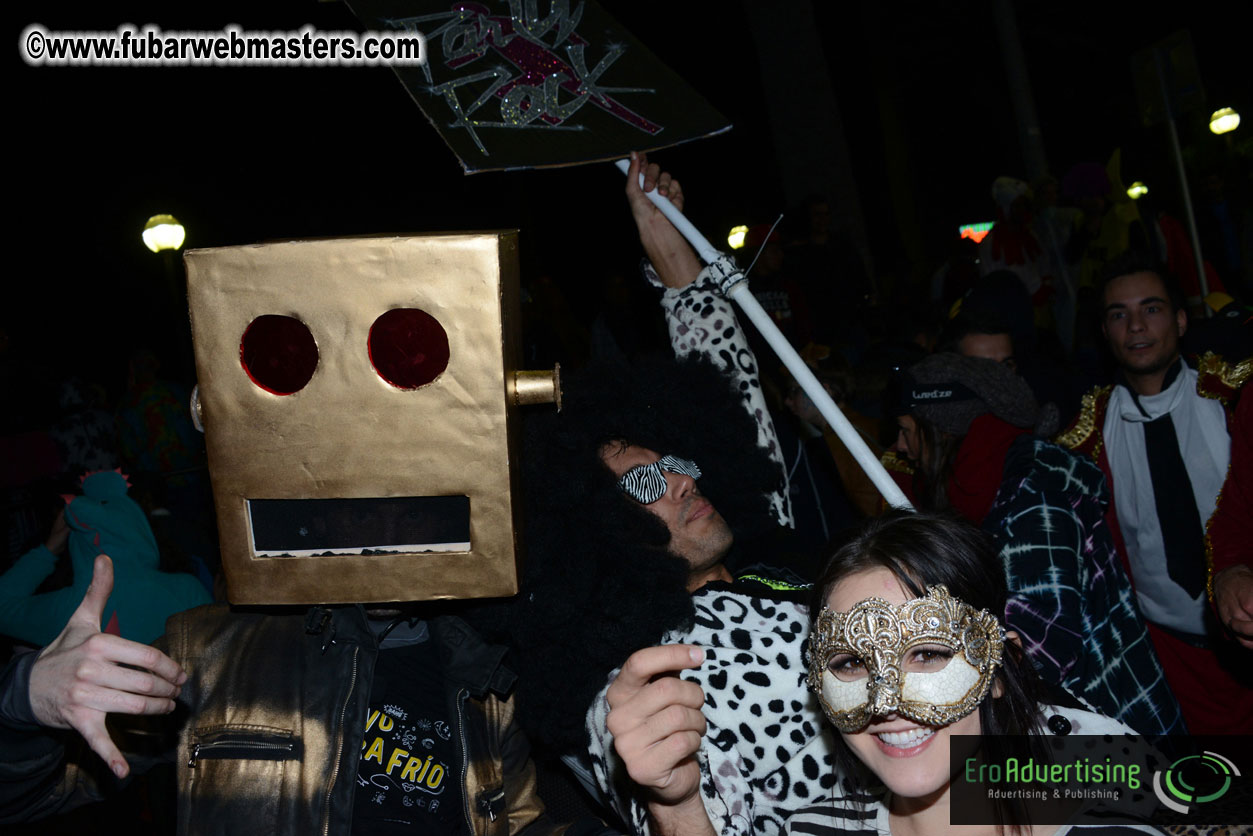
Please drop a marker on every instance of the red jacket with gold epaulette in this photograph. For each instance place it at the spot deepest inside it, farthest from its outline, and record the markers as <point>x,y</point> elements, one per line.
<point>1216,379</point>
<point>1229,532</point>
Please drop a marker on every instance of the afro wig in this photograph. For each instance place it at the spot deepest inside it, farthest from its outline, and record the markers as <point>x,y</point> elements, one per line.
<point>598,579</point>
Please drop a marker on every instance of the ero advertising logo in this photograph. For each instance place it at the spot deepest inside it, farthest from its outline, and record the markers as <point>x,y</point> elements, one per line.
<point>1194,780</point>
<point>1090,779</point>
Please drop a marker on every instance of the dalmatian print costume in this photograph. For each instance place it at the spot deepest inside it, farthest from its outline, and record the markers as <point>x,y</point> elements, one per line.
<point>767,751</point>
<point>702,321</point>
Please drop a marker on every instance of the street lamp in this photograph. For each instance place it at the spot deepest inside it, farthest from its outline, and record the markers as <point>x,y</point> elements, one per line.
<point>163,232</point>
<point>1224,120</point>
<point>164,235</point>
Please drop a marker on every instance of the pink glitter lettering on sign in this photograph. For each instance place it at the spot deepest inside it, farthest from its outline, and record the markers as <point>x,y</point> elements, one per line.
<point>471,30</point>
<point>539,64</point>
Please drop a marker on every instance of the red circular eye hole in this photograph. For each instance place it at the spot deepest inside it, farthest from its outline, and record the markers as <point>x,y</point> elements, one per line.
<point>278,353</point>
<point>408,347</point>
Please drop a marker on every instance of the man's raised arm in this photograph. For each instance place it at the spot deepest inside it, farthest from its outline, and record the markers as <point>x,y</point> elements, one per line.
<point>675,261</point>
<point>700,319</point>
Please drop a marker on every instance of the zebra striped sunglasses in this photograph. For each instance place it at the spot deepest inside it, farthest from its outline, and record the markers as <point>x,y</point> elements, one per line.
<point>646,483</point>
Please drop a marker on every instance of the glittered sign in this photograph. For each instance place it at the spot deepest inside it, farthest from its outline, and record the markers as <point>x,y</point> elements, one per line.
<point>524,83</point>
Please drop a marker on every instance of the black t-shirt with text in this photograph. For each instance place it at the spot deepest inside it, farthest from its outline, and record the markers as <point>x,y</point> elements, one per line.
<point>409,775</point>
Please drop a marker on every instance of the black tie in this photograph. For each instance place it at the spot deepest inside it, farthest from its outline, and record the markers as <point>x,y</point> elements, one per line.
<point>1182,534</point>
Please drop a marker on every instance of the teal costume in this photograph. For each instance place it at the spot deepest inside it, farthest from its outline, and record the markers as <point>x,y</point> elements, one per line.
<point>103,520</point>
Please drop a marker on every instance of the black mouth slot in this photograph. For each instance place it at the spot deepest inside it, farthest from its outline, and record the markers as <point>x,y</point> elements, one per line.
<point>404,524</point>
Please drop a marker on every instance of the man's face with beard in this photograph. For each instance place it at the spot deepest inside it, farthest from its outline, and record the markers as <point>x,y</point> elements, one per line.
<point>698,533</point>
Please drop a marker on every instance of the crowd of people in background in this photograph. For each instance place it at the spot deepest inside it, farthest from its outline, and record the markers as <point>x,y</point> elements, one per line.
<point>1064,386</point>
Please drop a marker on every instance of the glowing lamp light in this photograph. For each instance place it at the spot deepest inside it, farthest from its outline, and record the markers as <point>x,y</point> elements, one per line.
<point>975,232</point>
<point>1224,121</point>
<point>1137,190</point>
<point>163,232</point>
<point>736,237</point>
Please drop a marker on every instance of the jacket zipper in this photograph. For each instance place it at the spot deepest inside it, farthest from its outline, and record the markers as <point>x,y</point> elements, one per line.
<point>339,745</point>
<point>462,695</point>
<point>234,747</point>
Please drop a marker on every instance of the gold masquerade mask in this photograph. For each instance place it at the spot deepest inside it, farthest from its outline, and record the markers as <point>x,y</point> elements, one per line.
<point>929,659</point>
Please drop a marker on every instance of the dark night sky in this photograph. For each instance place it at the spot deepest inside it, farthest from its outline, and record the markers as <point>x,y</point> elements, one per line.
<point>241,155</point>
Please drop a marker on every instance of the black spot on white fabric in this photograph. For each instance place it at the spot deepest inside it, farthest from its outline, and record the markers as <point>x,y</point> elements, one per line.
<point>755,773</point>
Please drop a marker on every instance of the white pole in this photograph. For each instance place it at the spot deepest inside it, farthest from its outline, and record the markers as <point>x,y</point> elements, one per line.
<point>1189,212</point>
<point>799,368</point>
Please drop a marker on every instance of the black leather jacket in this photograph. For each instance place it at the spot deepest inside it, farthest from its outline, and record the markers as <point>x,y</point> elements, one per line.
<point>270,724</point>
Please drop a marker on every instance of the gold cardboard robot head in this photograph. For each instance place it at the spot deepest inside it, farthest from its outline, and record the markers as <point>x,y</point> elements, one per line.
<point>356,397</point>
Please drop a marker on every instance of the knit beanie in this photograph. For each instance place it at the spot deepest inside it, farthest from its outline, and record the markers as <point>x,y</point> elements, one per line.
<point>949,391</point>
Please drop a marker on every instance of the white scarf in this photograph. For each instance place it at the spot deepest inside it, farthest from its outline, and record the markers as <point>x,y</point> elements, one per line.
<point>1201,427</point>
